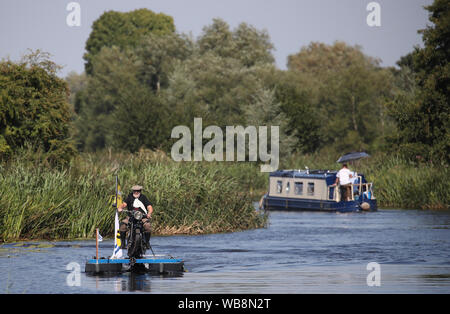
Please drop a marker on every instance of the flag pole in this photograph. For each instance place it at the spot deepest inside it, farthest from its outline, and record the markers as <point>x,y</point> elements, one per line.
<point>116,213</point>
<point>96,244</point>
<point>116,249</point>
<point>116,194</point>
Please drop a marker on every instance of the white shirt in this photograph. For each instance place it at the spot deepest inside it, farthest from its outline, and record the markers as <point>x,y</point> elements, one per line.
<point>344,176</point>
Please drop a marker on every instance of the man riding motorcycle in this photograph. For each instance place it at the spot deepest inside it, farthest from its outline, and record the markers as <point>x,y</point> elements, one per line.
<point>148,209</point>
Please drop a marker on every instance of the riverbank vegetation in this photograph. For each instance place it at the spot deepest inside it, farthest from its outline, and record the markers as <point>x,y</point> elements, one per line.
<point>41,202</point>
<point>189,198</point>
<point>62,140</point>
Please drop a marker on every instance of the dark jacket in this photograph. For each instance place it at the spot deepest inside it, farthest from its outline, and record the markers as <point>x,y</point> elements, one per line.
<point>130,199</point>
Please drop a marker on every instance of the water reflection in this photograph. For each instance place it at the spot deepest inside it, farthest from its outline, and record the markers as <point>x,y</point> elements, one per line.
<point>315,279</point>
<point>135,282</point>
<point>126,282</point>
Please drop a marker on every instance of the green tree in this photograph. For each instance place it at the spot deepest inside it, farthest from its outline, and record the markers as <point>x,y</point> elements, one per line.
<point>124,30</point>
<point>140,121</point>
<point>34,109</point>
<point>224,73</point>
<point>297,95</point>
<point>246,43</point>
<point>168,79</point>
<point>114,71</point>
<point>424,120</point>
<point>159,54</point>
<point>126,84</point>
<point>265,110</point>
<point>217,38</point>
<point>352,90</point>
<point>222,88</point>
<point>76,83</point>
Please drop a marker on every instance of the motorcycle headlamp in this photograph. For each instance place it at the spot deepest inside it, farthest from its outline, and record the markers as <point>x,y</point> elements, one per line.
<point>138,215</point>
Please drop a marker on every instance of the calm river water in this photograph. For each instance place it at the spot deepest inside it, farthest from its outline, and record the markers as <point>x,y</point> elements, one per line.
<point>299,252</point>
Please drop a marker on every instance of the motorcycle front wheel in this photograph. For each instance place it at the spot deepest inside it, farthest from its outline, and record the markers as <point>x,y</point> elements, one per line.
<point>135,248</point>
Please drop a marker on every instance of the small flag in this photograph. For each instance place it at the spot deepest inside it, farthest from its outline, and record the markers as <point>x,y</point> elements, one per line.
<point>117,251</point>
<point>118,193</point>
<point>99,237</point>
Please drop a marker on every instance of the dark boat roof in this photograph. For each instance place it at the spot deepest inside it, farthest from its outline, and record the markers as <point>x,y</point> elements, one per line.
<point>315,174</point>
<point>328,175</point>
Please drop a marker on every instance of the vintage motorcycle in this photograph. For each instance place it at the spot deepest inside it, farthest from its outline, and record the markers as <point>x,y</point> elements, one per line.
<point>135,240</point>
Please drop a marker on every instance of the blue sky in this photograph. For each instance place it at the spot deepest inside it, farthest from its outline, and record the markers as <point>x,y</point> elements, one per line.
<point>291,24</point>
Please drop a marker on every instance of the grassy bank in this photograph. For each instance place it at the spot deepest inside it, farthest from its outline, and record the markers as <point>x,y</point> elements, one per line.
<point>189,198</point>
<point>400,184</point>
<point>38,202</point>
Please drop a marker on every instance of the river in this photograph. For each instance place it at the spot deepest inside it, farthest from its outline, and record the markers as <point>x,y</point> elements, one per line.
<point>299,252</point>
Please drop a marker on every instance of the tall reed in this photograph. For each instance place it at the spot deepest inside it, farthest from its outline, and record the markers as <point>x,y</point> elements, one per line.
<point>38,202</point>
<point>401,184</point>
<point>188,198</point>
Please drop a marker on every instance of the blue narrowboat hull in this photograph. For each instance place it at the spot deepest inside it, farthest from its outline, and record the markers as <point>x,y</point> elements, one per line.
<point>283,203</point>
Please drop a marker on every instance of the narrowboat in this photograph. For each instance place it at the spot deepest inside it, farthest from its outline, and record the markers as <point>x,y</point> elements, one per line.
<point>315,190</point>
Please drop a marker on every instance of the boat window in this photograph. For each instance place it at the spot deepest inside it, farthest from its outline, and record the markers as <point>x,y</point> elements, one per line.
<point>298,188</point>
<point>279,187</point>
<point>310,188</point>
<point>331,194</point>
<point>288,187</point>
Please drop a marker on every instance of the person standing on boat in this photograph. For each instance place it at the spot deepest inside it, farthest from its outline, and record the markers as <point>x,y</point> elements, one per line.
<point>343,179</point>
<point>136,194</point>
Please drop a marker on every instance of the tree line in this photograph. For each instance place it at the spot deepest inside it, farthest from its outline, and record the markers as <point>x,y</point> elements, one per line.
<point>142,78</point>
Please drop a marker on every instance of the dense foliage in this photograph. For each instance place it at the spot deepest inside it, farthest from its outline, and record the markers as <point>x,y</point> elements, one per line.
<point>422,112</point>
<point>135,95</point>
<point>124,29</point>
<point>331,97</point>
<point>34,109</point>
<point>348,94</point>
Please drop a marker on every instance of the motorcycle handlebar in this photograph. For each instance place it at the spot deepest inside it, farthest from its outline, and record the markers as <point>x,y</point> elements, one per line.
<point>130,212</point>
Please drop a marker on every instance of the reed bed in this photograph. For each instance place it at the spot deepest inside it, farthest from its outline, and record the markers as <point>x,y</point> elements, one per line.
<point>188,198</point>
<point>39,202</point>
<point>400,184</point>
